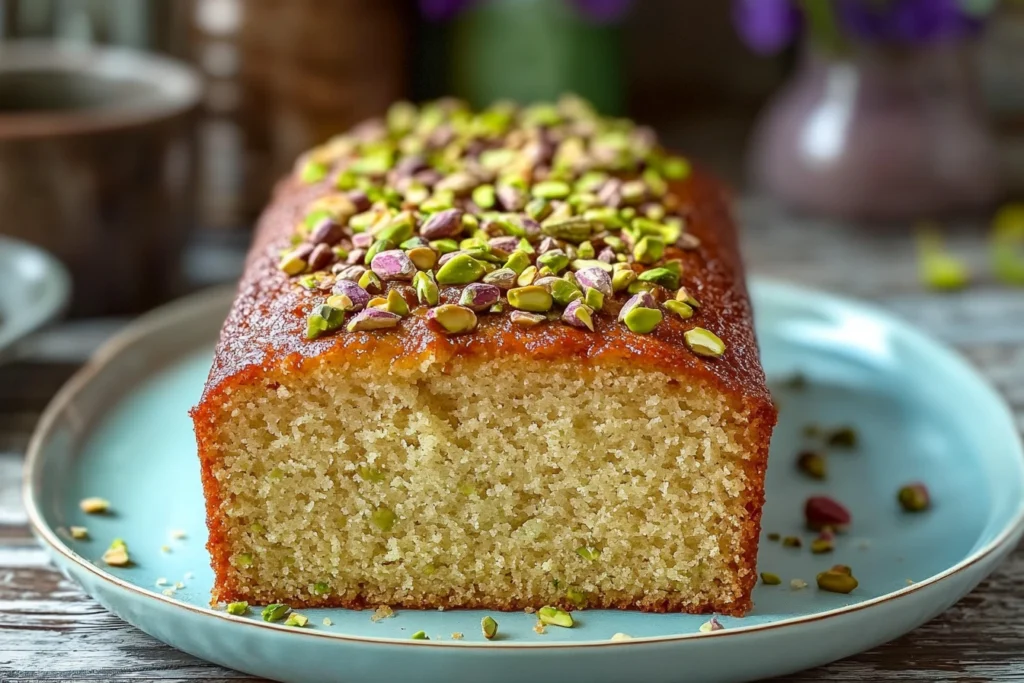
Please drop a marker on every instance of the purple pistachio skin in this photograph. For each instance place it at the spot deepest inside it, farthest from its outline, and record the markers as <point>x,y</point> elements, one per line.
<point>908,22</point>
<point>303,250</point>
<point>359,296</point>
<point>525,318</point>
<point>321,257</point>
<point>598,11</point>
<point>359,200</point>
<point>511,198</point>
<point>447,223</point>
<point>597,278</point>
<point>479,296</point>
<point>393,264</point>
<point>569,314</point>
<point>356,256</point>
<point>362,240</point>
<point>530,227</point>
<point>504,278</point>
<point>503,246</point>
<point>607,255</point>
<point>547,244</point>
<point>643,299</point>
<point>373,319</point>
<point>327,231</point>
<point>767,26</point>
<point>546,281</point>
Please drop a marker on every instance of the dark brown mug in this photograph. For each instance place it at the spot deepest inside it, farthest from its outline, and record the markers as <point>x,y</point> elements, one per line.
<point>96,166</point>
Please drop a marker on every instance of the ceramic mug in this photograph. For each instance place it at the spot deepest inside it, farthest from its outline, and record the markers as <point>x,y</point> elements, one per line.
<point>96,155</point>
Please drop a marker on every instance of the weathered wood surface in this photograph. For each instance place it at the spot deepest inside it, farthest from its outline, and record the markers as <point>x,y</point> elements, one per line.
<point>49,630</point>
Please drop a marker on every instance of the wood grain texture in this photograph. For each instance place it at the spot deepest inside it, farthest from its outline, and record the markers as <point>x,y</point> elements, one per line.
<point>50,631</point>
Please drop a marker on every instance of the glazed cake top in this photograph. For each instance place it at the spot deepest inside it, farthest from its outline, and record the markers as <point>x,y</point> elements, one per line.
<point>544,231</point>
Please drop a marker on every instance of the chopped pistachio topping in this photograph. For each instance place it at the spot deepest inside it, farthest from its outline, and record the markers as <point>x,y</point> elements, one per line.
<point>489,626</point>
<point>238,608</point>
<point>838,579</point>
<point>383,519</point>
<point>769,579</point>
<point>440,196</point>
<point>588,553</point>
<point>704,343</point>
<point>94,506</point>
<point>117,554</point>
<point>812,463</point>
<point>912,498</point>
<point>275,612</point>
<point>553,616</point>
<point>420,635</point>
<point>296,619</point>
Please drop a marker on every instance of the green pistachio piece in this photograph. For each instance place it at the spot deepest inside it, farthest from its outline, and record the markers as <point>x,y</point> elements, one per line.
<point>605,216</point>
<point>439,201</point>
<point>586,250</point>
<point>275,612</point>
<point>296,619</point>
<point>836,581</point>
<point>292,264</point>
<point>675,168</point>
<point>420,635</point>
<point>454,319</point>
<point>445,246</point>
<point>769,579</point>
<point>427,292</point>
<point>588,553</point>
<point>424,258</point>
<point>313,172</point>
<point>401,117</point>
<point>543,272</point>
<point>660,276</point>
<point>518,261</point>
<point>383,519</point>
<point>524,319</point>
<point>565,292</point>
<point>238,608</point>
<point>473,243</point>
<point>531,298</point>
<point>527,276</point>
<point>376,248</point>
<point>496,159</point>
<point>627,213</point>
<point>679,308</point>
<point>370,282</point>
<point>371,474</point>
<point>551,189</point>
<point>914,497</point>
<point>675,266</point>
<point>396,304</point>
<point>621,279</point>
<point>1007,245</point>
<point>633,192</point>
<point>576,597</point>
<point>656,185</point>
<point>553,616</point>
<point>483,196</point>
<point>655,212</point>
<point>398,229</point>
<point>642,320</point>
<point>580,264</point>
<point>361,222</point>
<point>638,286</point>
<point>594,298</point>
<point>538,208</point>
<point>687,298</point>
<point>704,343</point>
<point>324,319</point>
<point>812,463</point>
<point>489,626</point>
<point>571,229</point>
<point>555,259</point>
<point>649,249</point>
<point>460,270</point>
<point>321,588</point>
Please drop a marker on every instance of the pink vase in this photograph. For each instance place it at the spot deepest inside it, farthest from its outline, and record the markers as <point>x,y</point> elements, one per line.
<point>880,134</point>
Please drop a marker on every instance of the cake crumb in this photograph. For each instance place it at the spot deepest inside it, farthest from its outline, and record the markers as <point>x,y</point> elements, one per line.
<point>910,582</point>
<point>382,612</point>
<point>539,628</point>
<point>178,534</point>
<point>161,581</point>
<point>165,548</point>
<point>620,637</point>
<point>169,592</point>
<point>327,621</point>
<point>79,532</point>
<point>529,610</point>
<point>189,575</point>
<point>179,585</point>
<point>797,584</point>
<point>94,506</point>
<point>456,636</point>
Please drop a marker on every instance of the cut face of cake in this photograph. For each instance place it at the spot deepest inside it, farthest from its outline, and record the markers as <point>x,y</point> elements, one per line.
<point>497,360</point>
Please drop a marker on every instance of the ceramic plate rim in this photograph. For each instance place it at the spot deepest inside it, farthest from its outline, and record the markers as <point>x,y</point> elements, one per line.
<point>159,317</point>
<point>53,303</point>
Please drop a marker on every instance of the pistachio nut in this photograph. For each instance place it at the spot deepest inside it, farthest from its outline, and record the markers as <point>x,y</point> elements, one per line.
<point>453,318</point>
<point>704,343</point>
<point>530,298</point>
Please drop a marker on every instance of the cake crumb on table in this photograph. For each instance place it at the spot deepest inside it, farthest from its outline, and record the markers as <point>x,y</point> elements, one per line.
<point>382,612</point>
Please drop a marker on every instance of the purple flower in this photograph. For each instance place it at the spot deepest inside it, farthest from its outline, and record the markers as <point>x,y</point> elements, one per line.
<point>767,25</point>
<point>907,21</point>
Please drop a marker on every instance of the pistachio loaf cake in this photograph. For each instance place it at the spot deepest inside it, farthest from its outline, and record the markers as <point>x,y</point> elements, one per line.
<point>489,360</point>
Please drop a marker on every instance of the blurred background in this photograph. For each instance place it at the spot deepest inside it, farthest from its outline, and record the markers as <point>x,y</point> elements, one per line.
<point>139,139</point>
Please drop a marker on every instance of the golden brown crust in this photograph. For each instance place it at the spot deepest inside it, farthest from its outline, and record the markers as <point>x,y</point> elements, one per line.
<point>264,330</point>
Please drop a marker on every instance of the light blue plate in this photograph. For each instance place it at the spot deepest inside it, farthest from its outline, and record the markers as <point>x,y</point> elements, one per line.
<point>34,287</point>
<point>120,430</point>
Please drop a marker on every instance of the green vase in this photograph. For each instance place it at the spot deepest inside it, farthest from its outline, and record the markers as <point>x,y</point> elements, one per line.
<point>530,50</point>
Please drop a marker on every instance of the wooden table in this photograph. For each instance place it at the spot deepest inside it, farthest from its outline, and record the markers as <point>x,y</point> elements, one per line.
<point>49,630</point>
